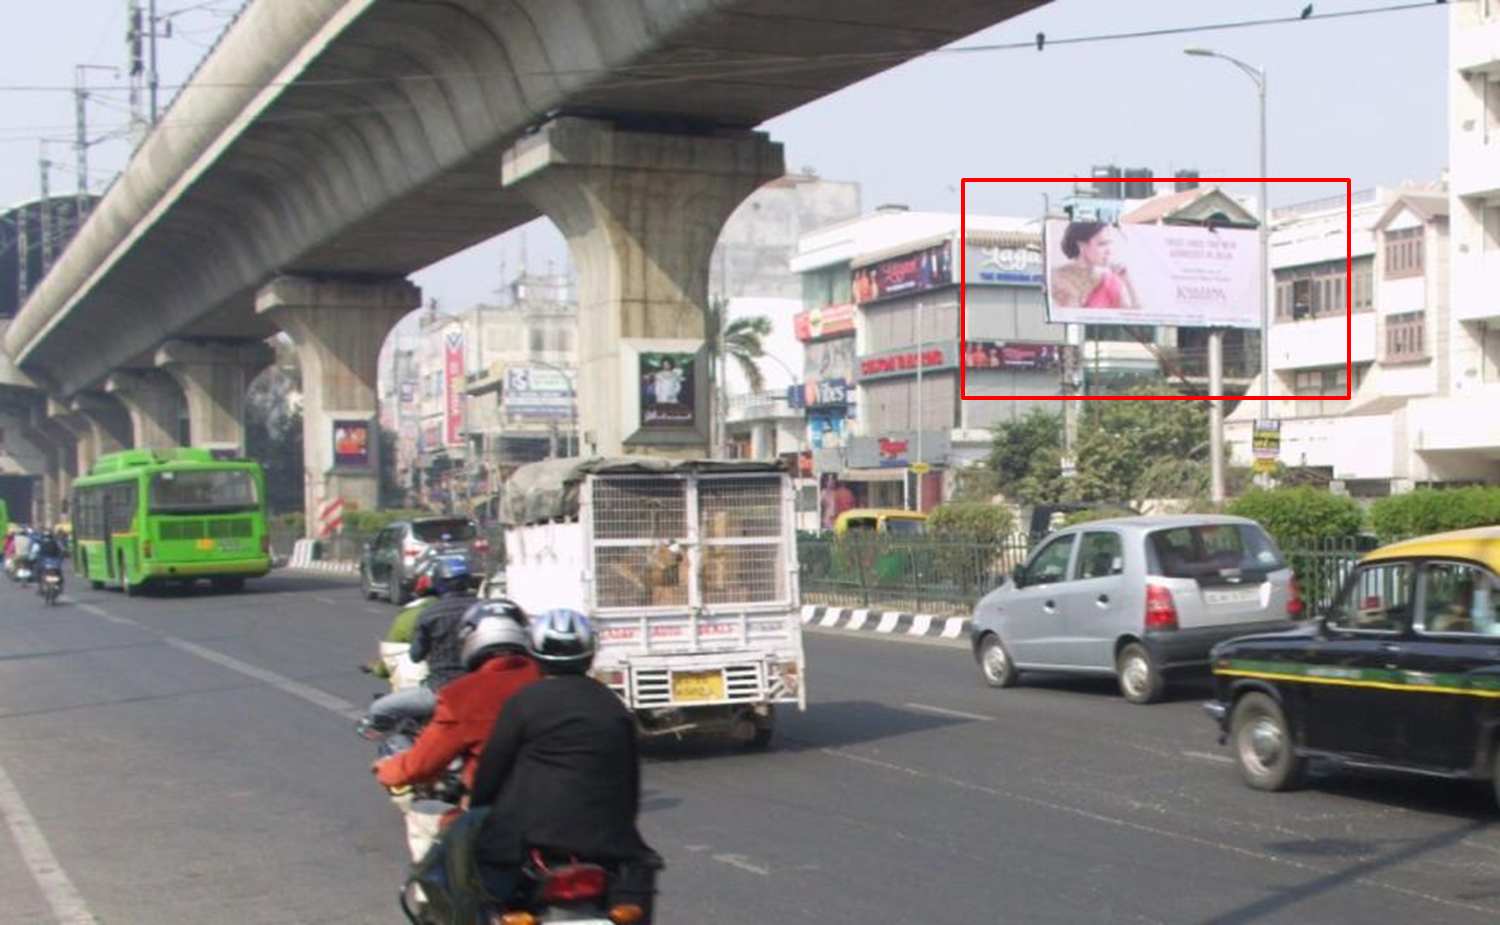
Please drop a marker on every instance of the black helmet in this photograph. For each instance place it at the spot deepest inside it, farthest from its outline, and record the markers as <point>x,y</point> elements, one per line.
<point>563,641</point>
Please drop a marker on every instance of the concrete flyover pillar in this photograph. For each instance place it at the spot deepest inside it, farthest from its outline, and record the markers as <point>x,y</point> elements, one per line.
<point>106,419</point>
<point>154,403</point>
<point>641,212</point>
<point>338,327</point>
<point>62,462</point>
<point>86,449</point>
<point>213,377</point>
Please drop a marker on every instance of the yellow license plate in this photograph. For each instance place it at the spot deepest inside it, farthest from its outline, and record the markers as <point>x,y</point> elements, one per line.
<point>697,685</point>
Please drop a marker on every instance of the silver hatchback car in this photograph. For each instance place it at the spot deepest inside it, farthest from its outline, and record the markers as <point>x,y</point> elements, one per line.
<point>1135,598</point>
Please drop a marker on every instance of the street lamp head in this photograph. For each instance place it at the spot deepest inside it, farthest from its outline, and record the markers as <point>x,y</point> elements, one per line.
<point>1200,52</point>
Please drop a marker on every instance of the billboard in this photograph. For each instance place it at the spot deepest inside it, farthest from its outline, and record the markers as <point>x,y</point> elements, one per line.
<point>1182,276</point>
<point>996,354</point>
<point>351,444</point>
<point>453,387</point>
<point>934,356</point>
<point>538,393</point>
<point>668,396</point>
<point>828,321</point>
<point>926,269</point>
<point>1010,265</point>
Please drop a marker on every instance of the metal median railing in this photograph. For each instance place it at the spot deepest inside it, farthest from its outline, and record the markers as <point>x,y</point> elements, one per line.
<point>945,577</point>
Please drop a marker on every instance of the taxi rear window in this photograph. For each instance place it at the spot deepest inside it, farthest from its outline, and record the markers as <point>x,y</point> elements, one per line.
<point>1204,550</point>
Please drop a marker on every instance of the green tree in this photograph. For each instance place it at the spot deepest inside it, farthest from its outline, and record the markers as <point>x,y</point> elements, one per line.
<point>1122,446</point>
<point>737,340</point>
<point>1026,456</point>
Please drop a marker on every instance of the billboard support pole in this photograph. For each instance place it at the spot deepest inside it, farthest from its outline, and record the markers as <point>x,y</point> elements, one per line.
<point>1216,415</point>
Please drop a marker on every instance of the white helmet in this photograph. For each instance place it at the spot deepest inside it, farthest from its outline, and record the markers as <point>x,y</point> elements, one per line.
<point>491,635</point>
<point>563,641</point>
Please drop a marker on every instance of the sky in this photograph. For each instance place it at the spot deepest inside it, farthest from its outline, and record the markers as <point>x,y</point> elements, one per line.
<point>1359,97</point>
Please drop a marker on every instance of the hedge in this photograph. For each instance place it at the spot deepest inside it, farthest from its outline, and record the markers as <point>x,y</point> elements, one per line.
<point>1434,510</point>
<point>970,521</point>
<point>1301,517</point>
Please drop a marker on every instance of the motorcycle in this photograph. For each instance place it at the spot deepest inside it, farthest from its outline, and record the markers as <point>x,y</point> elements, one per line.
<point>50,582</point>
<point>561,888</point>
<point>424,806</point>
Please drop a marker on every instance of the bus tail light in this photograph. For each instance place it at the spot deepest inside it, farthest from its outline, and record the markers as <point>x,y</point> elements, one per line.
<point>146,549</point>
<point>265,544</point>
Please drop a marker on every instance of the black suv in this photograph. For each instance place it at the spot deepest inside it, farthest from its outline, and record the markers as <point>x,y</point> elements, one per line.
<point>389,564</point>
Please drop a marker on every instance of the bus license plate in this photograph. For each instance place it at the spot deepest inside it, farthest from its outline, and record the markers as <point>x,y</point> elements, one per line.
<point>697,686</point>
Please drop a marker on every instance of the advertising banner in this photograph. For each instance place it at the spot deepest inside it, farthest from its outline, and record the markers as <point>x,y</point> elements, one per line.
<point>1265,444</point>
<point>828,321</point>
<point>926,269</point>
<point>934,357</point>
<point>351,444</point>
<point>1151,274</point>
<point>453,386</point>
<point>819,394</point>
<point>981,354</point>
<point>826,432</point>
<point>537,392</point>
<point>993,264</point>
<point>667,392</point>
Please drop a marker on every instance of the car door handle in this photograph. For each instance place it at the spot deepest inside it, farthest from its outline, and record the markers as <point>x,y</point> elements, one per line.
<point>1104,600</point>
<point>1049,606</point>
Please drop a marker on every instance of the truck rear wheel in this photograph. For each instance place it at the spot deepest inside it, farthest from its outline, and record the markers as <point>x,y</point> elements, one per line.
<point>763,728</point>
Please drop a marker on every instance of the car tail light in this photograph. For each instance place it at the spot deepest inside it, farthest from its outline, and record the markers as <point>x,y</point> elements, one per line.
<point>571,884</point>
<point>411,550</point>
<point>1294,606</point>
<point>1161,609</point>
<point>481,545</point>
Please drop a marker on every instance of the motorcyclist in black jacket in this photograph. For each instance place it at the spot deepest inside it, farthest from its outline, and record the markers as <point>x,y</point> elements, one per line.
<point>560,769</point>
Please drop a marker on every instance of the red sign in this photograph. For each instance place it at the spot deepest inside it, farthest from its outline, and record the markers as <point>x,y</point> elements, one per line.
<point>893,449</point>
<point>828,321</point>
<point>453,384</point>
<point>900,362</point>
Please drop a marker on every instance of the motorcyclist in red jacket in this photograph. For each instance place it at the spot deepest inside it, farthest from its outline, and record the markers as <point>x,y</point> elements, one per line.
<point>495,656</point>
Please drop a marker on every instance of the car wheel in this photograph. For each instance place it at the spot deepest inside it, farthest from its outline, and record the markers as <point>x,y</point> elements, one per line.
<point>995,662</point>
<point>1263,746</point>
<point>364,584</point>
<point>1141,680</point>
<point>398,594</point>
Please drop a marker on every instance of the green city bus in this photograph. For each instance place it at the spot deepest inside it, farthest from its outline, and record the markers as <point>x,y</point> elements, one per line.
<point>144,517</point>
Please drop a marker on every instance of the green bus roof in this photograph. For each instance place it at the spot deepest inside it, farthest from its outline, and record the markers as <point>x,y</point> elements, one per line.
<point>126,461</point>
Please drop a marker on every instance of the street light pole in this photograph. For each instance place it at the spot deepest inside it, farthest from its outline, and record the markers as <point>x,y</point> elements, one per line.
<point>921,417</point>
<point>571,444</point>
<point>1258,75</point>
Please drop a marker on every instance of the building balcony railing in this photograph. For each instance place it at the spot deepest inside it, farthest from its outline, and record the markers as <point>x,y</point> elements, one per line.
<point>759,406</point>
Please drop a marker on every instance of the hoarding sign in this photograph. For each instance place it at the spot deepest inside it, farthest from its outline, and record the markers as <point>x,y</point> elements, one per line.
<point>1265,443</point>
<point>993,264</point>
<point>828,321</point>
<point>537,392</point>
<point>982,354</point>
<point>926,269</point>
<point>1183,276</point>
<point>905,362</point>
<point>453,386</point>
<point>667,389</point>
<point>351,444</point>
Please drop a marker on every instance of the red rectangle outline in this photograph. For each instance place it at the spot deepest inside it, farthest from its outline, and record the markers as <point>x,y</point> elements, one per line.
<point>963,387</point>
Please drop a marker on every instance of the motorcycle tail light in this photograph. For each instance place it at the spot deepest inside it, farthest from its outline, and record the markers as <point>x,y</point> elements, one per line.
<point>518,918</point>
<point>481,545</point>
<point>626,914</point>
<point>571,884</point>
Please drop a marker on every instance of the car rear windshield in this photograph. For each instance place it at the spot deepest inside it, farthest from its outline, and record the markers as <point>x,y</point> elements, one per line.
<point>436,531</point>
<point>1208,549</point>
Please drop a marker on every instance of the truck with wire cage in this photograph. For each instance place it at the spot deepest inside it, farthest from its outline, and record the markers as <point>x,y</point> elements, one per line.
<point>688,570</point>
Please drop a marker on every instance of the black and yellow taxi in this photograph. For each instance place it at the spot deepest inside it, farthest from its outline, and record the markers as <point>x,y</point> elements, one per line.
<point>1402,672</point>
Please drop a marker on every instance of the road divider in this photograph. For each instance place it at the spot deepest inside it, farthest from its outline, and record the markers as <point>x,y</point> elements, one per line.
<point>302,560</point>
<point>891,623</point>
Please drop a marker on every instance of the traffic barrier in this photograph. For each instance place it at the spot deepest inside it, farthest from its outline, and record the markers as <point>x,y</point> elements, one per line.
<point>302,559</point>
<point>887,622</point>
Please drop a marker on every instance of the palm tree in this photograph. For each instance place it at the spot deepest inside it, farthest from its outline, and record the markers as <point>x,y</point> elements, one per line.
<point>739,339</point>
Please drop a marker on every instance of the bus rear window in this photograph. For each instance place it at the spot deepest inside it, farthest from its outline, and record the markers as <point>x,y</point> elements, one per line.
<point>223,491</point>
<point>435,531</point>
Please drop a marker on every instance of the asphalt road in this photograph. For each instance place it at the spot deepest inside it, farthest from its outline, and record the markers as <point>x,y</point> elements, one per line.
<point>190,759</point>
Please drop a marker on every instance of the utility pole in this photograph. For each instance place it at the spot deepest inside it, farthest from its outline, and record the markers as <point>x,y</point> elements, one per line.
<point>921,343</point>
<point>46,208</point>
<point>140,38</point>
<point>81,143</point>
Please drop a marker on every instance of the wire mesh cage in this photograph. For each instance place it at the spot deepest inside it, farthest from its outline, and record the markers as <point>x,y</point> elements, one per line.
<point>628,508</point>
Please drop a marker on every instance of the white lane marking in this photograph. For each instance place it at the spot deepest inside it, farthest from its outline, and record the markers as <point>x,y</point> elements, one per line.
<point>743,863</point>
<point>955,627</point>
<point>1209,756</point>
<point>68,906</point>
<point>888,622</point>
<point>959,784</point>
<point>279,681</point>
<point>103,614</point>
<point>944,711</point>
<point>920,624</point>
<point>858,620</point>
